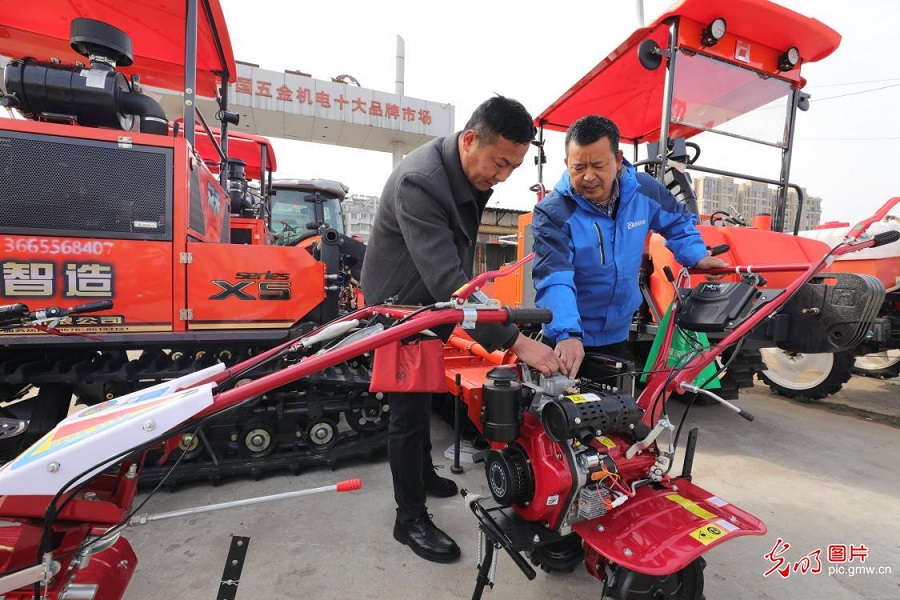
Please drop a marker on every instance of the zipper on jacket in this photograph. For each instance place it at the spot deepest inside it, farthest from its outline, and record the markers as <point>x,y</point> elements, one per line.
<point>600,244</point>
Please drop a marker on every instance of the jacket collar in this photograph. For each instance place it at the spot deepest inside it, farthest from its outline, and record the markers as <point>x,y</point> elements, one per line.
<point>463,191</point>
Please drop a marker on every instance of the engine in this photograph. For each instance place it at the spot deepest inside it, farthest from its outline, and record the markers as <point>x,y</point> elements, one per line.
<point>558,457</point>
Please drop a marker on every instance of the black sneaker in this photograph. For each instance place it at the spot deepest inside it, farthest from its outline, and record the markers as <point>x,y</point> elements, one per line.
<point>437,485</point>
<point>426,540</point>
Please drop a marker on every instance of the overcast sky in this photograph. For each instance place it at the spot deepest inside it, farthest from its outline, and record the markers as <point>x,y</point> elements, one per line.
<point>465,51</point>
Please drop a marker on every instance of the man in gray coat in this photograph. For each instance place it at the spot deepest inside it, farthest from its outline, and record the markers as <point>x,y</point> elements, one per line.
<point>421,250</point>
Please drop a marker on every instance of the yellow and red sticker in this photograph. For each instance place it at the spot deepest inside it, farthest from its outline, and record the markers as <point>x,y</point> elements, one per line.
<point>606,442</point>
<point>707,534</point>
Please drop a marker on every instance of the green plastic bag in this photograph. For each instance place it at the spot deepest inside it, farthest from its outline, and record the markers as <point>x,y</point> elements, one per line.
<point>680,346</point>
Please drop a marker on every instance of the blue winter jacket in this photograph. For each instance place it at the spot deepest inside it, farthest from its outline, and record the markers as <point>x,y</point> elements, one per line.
<point>586,263</point>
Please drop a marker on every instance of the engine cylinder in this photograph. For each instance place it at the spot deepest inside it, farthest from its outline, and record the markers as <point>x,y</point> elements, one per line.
<point>501,410</point>
<point>583,416</point>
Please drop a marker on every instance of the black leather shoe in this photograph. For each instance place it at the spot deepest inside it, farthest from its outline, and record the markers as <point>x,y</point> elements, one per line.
<point>437,485</point>
<point>426,540</point>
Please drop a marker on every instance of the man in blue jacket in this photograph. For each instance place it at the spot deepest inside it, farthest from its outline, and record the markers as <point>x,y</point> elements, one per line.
<point>589,235</point>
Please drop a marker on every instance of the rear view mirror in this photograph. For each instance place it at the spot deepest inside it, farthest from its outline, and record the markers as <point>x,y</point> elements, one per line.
<point>649,55</point>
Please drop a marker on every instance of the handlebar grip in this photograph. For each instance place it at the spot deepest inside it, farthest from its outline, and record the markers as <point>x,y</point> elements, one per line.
<point>886,237</point>
<point>524,316</point>
<point>12,313</point>
<point>720,249</point>
<point>91,307</point>
<point>13,310</point>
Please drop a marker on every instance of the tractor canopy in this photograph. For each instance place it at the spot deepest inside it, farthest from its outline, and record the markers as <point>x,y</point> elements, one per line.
<point>713,84</point>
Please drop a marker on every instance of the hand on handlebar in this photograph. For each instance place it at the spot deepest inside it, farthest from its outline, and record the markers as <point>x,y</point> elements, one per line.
<point>537,355</point>
<point>711,262</point>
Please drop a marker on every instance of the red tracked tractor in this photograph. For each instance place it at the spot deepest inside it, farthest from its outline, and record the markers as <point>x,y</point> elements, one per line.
<point>179,224</point>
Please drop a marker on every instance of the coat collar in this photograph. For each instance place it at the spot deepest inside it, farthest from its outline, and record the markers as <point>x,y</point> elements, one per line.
<point>463,191</point>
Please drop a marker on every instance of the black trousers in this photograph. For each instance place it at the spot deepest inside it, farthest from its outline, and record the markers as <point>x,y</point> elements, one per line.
<point>409,450</point>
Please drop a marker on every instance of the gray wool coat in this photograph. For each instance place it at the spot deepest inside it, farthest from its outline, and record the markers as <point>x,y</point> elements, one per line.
<point>422,245</point>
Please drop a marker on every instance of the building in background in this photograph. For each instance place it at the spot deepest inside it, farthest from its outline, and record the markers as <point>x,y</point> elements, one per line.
<point>359,214</point>
<point>497,238</point>
<point>751,198</point>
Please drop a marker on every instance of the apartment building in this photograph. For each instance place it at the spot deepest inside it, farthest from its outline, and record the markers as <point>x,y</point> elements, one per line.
<point>751,198</point>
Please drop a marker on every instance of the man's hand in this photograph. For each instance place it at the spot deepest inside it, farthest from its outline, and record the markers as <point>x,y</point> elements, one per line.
<point>536,355</point>
<point>711,262</point>
<point>571,354</point>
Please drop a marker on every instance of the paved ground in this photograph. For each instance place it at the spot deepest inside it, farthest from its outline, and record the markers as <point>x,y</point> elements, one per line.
<point>818,475</point>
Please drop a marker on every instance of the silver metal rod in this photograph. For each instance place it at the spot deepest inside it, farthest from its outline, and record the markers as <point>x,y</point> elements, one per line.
<point>143,519</point>
<point>668,91</point>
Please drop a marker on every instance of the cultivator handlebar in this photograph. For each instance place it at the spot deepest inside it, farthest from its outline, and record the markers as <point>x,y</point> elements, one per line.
<point>662,382</point>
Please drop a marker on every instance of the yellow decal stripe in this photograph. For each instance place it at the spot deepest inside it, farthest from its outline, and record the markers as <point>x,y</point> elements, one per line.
<point>691,506</point>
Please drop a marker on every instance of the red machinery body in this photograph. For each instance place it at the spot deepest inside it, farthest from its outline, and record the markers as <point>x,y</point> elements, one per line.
<point>178,224</point>
<point>578,472</point>
<point>678,523</point>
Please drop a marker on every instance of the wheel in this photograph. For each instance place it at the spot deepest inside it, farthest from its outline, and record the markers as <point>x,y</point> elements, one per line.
<point>322,433</point>
<point>371,417</point>
<point>686,584</point>
<point>807,376</point>
<point>258,440</point>
<point>885,365</point>
<point>563,554</point>
<point>190,445</point>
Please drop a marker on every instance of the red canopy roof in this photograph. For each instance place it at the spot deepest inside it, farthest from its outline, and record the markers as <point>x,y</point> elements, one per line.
<point>40,29</point>
<point>631,96</point>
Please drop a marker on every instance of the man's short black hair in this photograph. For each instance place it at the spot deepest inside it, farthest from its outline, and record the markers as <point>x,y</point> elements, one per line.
<point>590,129</point>
<point>504,117</point>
